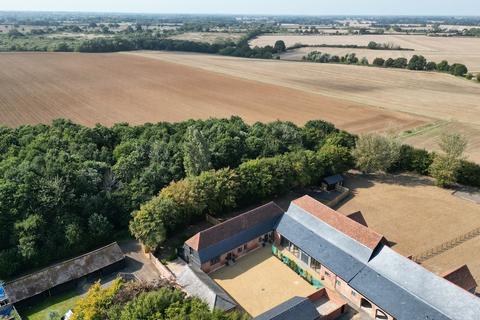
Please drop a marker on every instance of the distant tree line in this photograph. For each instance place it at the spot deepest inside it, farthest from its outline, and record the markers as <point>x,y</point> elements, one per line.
<point>416,62</point>
<point>372,45</point>
<point>16,41</point>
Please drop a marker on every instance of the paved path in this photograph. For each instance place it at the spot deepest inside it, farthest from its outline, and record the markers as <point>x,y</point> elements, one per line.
<point>137,263</point>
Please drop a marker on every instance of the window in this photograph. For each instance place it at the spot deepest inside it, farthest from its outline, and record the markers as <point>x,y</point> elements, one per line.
<point>245,247</point>
<point>215,260</point>
<point>315,265</point>
<point>284,242</point>
<point>191,250</point>
<point>338,283</point>
<point>354,294</point>
<point>304,257</point>
<point>239,249</point>
<point>327,274</point>
<point>260,239</point>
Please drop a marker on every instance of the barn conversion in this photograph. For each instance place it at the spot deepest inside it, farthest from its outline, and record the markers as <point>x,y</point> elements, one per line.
<point>335,252</point>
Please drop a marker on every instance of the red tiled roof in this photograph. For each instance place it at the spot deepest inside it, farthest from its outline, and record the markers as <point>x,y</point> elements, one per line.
<point>351,228</point>
<point>462,277</point>
<point>227,229</point>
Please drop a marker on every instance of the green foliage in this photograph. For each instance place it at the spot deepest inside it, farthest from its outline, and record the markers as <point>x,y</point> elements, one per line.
<point>478,77</point>
<point>279,46</point>
<point>413,160</point>
<point>144,301</point>
<point>216,191</point>
<point>372,45</point>
<point>379,62</point>
<point>417,63</point>
<point>196,157</point>
<point>431,66</point>
<point>315,132</point>
<point>458,69</point>
<point>400,63</point>
<point>443,66</point>
<point>445,167</point>
<point>95,304</point>
<point>469,173</point>
<point>66,188</point>
<point>375,153</point>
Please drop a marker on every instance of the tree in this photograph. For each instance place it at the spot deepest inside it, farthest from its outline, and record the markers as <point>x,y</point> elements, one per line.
<point>379,62</point>
<point>314,133</point>
<point>99,227</point>
<point>375,153</point>
<point>196,154</point>
<point>279,46</point>
<point>400,63</point>
<point>148,223</point>
<point>364,61</point>
<point>443,66</point>
<point>417,63</point>
<point>372,45</point>
<point>445,166</point>
<point>431,66</point>
<point>389,63</point>
<point>478,77</point>
<point>458,69</point>
<point>94,305</point>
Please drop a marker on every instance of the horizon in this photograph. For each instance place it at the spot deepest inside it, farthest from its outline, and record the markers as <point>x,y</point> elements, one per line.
<point>366,15</point>
<point>444,8</point>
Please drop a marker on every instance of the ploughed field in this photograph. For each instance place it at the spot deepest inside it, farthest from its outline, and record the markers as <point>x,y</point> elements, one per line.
<point>454,49</point>
<point>112,88</point>
<point>139,87</point>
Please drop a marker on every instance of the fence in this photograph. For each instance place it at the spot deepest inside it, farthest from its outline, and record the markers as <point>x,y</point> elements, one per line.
<point>430,253</point>
<point>344,192</point>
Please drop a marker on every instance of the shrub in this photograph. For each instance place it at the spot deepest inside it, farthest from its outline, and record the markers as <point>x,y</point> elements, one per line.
<point>443,66</point>
<point>400,63</point>
<point>458,69</point>
<point>380,62</point>
<point>374,153</point>
<point>469,173</point>
<point>431,66</point>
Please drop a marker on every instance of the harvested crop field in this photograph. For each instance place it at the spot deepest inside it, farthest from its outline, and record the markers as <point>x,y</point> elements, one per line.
<point>453,49</point>
<point>111,88</point>
<point>210,37</point>
<point>426,96</point>
<point>416,216</point>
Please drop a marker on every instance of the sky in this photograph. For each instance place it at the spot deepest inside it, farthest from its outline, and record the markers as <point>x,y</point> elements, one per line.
<point>274,7</point>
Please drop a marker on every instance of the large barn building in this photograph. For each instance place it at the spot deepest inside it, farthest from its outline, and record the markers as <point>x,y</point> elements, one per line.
<point>341,255</point>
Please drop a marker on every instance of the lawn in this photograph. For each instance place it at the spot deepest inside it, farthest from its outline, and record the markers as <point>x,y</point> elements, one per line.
<point>59,304</point>
<point>259,281</point>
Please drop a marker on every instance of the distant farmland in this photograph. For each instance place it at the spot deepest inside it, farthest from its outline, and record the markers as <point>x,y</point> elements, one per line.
<point>453,49</point>
<point>111,88</point>
<point>144,87</point>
